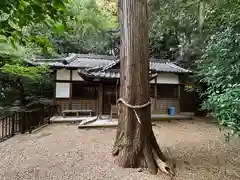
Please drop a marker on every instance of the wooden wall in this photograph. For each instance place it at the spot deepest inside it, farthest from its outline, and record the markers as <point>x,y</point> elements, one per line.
<point>163,104</point>
<point>77,104</point>
<point>161,108</point>
<point>166,78</point>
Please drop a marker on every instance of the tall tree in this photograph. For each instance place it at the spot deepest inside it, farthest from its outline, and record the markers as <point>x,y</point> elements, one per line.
<point>135,144</point>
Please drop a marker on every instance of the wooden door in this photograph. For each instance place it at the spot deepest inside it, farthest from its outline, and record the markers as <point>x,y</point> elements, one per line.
<point>109,98</point>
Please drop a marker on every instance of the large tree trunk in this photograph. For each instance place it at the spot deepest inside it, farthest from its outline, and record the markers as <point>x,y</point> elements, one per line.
<point>135,145</point>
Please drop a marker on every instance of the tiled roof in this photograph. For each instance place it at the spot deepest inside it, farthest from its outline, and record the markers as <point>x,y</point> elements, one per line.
<point>102,74</point>
<point>49,62</point>
<point>86,61</point>
<point>157,66</point>
<point>107,74</point>
<point>102,62</point>
<point>167,67</point>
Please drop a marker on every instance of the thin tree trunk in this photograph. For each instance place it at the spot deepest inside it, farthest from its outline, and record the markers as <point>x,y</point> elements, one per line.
<point>135,145</point>
<point>201,21</point>
<point>21,93</point>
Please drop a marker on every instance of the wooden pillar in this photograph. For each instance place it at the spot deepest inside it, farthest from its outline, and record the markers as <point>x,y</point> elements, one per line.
<point>54,76</point>
<point>117,91</point>
<point>179,97</point>
<point>70,91</point>
<point>155,94</point>
<point>58,107</point>
<point>179,91</point>
<point>100,100</point>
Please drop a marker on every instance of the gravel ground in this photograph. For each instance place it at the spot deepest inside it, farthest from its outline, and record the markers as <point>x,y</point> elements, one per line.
<point>63,152</point>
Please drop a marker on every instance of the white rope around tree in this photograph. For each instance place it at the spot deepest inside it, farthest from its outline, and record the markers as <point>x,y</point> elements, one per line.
<point>121,100</point>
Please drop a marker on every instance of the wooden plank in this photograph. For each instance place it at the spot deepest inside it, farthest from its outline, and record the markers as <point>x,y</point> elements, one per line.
<point>77,110</point>
<point>80,104</point>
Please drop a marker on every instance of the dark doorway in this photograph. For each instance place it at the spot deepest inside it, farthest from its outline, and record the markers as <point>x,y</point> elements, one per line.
<point>109,98</point>
<point>188,101</point>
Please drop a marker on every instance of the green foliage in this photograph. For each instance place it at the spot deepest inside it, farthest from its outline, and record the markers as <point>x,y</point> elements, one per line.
<point>16,15</point>
<point>18,44</point>
<point>31,72</point>
<point>220,70</point>
<point>219,67</point>
<point>209,31</point>
<point>90,29</point>
<point>42,88</point>
<point>174,29</point>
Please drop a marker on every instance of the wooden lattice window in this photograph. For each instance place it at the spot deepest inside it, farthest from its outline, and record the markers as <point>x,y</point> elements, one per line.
<point>84,91</point>
<point>167,91</point>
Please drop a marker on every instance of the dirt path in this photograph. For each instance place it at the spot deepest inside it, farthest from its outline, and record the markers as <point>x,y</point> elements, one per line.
<point>63,152</point>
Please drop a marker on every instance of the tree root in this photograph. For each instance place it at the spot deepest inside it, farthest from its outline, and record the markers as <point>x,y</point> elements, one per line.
<point>159,157</point>
<point>116,147</point>
<point>157,148</point>
<point>163,166</point>
<point>159,161</point>
<point>150,157</point>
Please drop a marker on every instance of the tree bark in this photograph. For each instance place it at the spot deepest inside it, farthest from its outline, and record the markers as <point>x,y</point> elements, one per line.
<point>135,144</point>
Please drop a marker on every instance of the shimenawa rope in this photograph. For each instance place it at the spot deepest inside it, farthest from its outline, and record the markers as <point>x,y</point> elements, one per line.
<point>121,100</point>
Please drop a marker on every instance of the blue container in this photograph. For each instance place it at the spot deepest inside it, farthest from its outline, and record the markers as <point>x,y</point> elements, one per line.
<point>171,111</point>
